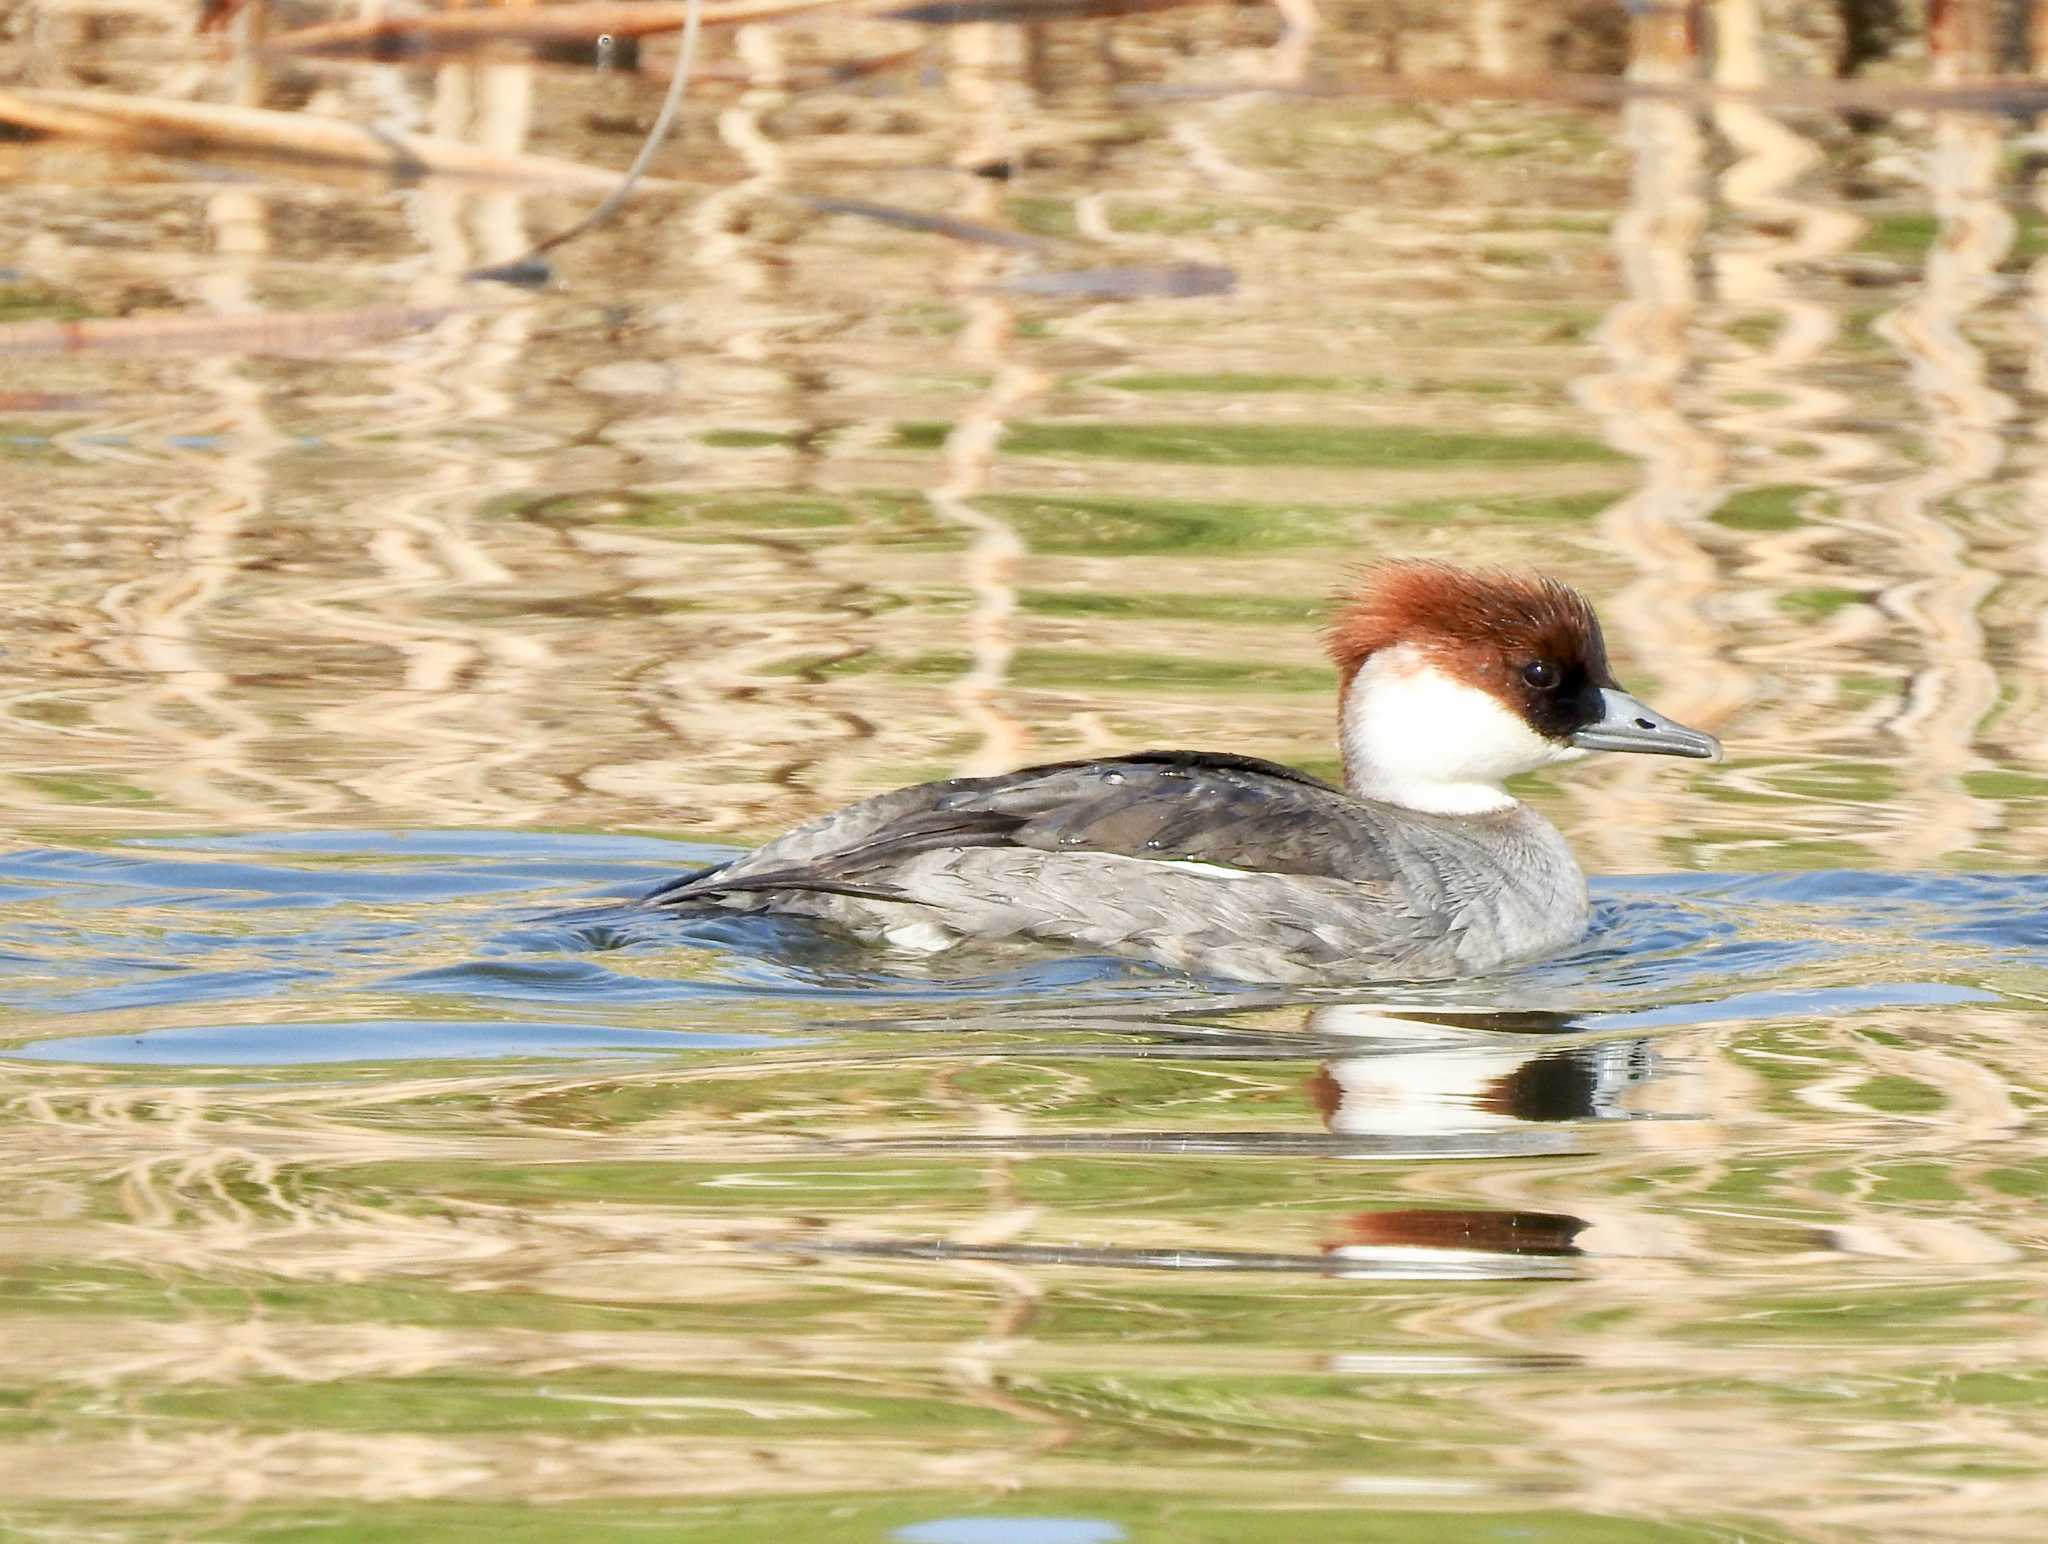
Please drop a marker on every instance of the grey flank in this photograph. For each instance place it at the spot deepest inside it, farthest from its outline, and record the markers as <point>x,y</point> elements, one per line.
<point>1220,865</point>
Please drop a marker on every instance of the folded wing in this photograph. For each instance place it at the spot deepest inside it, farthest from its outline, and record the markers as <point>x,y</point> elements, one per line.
<point>1229,812</point>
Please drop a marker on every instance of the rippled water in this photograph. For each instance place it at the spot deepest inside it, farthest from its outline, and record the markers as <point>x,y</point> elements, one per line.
<point>373,1171</point>
<point>415,1169</point>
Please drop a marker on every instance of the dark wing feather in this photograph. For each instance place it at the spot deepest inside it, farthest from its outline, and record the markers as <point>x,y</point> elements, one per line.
<point>671,887</point>
<point>1227,816</point>
<point>781,880</point>
<point>1191,761</point>
<point>1234,811</point>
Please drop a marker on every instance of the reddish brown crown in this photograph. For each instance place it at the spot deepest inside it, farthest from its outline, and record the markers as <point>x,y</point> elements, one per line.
<point>1473,626</point>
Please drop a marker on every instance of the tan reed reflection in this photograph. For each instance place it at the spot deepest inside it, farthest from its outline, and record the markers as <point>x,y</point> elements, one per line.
<point>1490,46</point>
<point>761,710</point>
<point>1641,401</point>
<point>188,706</point>
<point>2029,732</point>
<point>702,697</point>
<point>982,79</point>
<point>1781,417</point>
<point>1199,133</point>
<point>1787,437</point>
<point>1940,586</point>
<point>748,675</point>
<point>980,1367</point>
<point>458,696</point>
<point>985,84</point>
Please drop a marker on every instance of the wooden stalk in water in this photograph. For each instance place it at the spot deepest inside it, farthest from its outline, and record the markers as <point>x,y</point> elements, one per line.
<point>385,36</point>
<point>154,123</point>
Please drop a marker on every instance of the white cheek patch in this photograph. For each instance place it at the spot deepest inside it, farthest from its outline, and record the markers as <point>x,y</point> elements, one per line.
<point>1417,737</point>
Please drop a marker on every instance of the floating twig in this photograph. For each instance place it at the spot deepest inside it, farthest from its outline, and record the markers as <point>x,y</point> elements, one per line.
<point>1171,281</point>
<point>157,123</point>
<point>959,13</point>
<point>527,269</point>
<point>936,224</point>
<point>393,37</point>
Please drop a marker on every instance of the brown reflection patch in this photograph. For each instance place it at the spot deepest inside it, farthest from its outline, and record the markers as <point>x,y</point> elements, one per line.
<point>1508,1233</point>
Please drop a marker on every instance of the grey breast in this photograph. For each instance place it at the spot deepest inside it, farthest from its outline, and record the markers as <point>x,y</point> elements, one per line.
<point>1218,864</point>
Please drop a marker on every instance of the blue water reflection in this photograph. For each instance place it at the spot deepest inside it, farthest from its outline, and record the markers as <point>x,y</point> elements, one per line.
<point>393,935</point>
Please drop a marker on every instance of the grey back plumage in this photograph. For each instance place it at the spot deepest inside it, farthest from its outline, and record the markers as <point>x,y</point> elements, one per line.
<point>1219,864</point>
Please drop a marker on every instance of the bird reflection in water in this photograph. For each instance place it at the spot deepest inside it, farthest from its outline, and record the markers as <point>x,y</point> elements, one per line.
<point>1429,1083</point>
<point>1404,1084</point>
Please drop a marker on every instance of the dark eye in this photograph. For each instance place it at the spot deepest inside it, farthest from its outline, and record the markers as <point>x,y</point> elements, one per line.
<point>1541,674</point>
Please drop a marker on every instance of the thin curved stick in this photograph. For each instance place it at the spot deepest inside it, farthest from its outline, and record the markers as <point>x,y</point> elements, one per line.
<point>518,269</point>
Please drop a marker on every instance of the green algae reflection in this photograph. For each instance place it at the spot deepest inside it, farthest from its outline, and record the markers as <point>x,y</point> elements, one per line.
<point>1294,445</point>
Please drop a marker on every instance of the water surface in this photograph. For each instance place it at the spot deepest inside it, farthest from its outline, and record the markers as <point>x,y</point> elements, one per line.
<point>373,1172</point>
